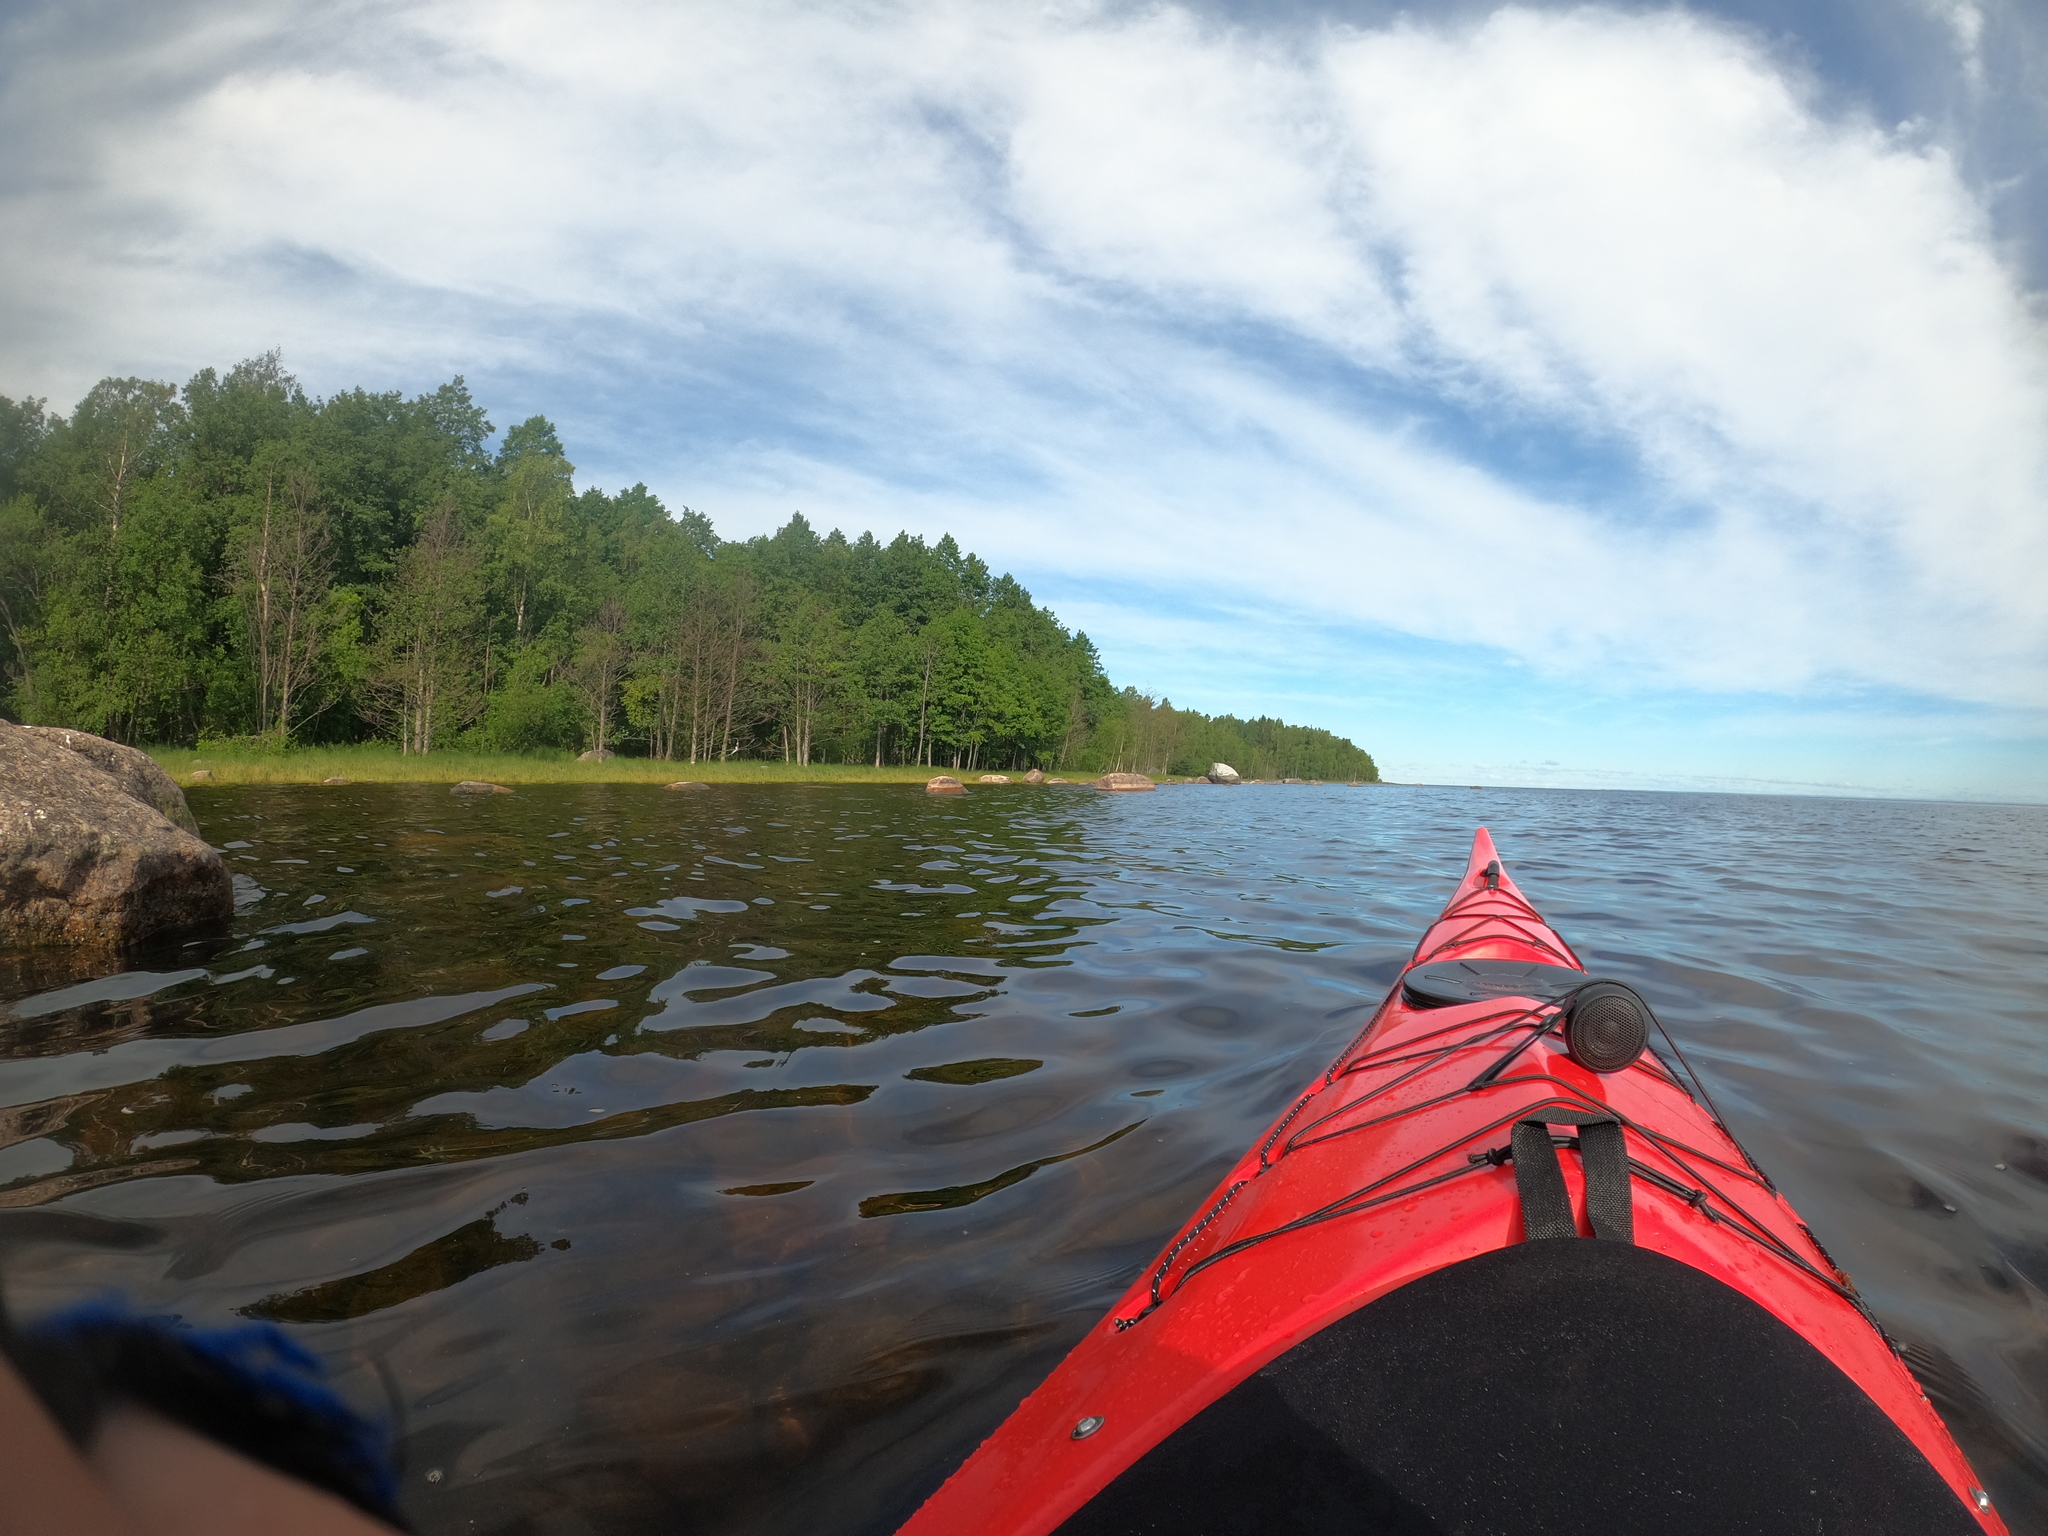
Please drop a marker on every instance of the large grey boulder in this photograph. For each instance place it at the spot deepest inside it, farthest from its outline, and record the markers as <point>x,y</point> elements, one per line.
<point>86,854</point>
<point>1222,773</point>
<point>1123,783</point>
<point>138,774</point>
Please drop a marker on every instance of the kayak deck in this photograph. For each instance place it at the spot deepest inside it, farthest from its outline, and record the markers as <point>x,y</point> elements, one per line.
<point>1394,1173</point>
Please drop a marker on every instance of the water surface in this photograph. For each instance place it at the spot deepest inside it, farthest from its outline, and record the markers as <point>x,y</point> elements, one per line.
<point>735,1160</point>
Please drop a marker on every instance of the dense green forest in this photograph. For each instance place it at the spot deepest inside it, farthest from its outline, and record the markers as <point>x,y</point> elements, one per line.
<point>236,560</point>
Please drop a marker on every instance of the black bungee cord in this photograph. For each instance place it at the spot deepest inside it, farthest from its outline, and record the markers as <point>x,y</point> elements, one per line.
<point>1545,1016</point>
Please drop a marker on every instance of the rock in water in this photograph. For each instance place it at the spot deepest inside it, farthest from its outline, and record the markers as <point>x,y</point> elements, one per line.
<point>595,757</point>
<point>1223,773</point>
<point>136,772</point>
<point>86,855</point>
<point>1119,782</point>
<point>684,784</point>
<point>478,787</point>
<point>1035,776</point>
<point>944,784</point>
<point>995,778</point>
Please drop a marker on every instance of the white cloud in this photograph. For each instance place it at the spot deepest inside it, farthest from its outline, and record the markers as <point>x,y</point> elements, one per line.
<point>1131,289</point>
<point>1965,22</point>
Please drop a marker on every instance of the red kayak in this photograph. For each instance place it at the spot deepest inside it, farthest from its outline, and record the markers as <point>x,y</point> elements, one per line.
<point>1500,1269</point>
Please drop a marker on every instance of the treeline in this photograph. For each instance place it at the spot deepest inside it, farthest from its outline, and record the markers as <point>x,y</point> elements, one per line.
<point>1162,739</point>
<point>238,560</point>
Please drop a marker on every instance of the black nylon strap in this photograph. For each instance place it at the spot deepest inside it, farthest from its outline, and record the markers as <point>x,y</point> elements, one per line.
<point>1605,1158</point>
<point>1546,1207</point>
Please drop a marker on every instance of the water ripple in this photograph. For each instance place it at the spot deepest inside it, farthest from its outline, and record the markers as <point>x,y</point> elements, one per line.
<point>795,1166</point>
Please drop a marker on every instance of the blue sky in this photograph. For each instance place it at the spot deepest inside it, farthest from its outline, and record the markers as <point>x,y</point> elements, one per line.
<point>1608,395</point>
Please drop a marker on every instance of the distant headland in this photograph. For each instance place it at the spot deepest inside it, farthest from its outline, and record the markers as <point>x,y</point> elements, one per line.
<point>260,584</point>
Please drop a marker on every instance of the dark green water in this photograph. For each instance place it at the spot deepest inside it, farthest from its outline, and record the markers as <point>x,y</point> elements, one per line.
<point>734,1161</point>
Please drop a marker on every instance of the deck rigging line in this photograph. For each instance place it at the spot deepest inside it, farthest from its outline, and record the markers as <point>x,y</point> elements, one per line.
<point>1686,1181</point>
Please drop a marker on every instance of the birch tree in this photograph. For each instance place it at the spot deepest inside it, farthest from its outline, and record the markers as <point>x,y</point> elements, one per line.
<point>807,661</point>
<point>426,679</point>
<point>528,531</point>
<point>602,655</point>
<point>283,569</point>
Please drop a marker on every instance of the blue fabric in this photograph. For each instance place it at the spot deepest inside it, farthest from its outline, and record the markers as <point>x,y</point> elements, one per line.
<point>264,1361</point>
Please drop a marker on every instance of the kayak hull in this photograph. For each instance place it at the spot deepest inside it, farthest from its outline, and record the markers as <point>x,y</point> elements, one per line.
<point>1391,1168</point>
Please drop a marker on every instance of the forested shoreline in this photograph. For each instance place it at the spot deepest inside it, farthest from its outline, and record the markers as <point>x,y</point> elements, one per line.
<point>238,562</point>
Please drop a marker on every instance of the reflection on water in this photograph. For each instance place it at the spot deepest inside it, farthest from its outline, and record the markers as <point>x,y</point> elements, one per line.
<point>468,1250</point>
<point>735,1161</point>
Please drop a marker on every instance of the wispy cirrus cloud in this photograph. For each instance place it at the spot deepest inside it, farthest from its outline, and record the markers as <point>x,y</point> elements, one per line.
<point>1606,341</point>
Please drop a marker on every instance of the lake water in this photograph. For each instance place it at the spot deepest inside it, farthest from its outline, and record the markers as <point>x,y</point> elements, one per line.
<point>734,1161</point>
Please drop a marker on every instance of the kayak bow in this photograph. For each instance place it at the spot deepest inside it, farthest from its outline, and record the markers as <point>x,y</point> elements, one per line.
<point>1500,1268</point>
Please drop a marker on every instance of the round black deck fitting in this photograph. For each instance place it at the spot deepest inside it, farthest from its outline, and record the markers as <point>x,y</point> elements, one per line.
<point>1606,1026</point>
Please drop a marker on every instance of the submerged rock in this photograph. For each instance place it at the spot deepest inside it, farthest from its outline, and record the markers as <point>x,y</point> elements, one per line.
<point>685,784</point>
<point>1223,773</point>
<point>1117,783</point>
<point>944,784</point>
<point>478,787</point>
<point>87,856</point>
